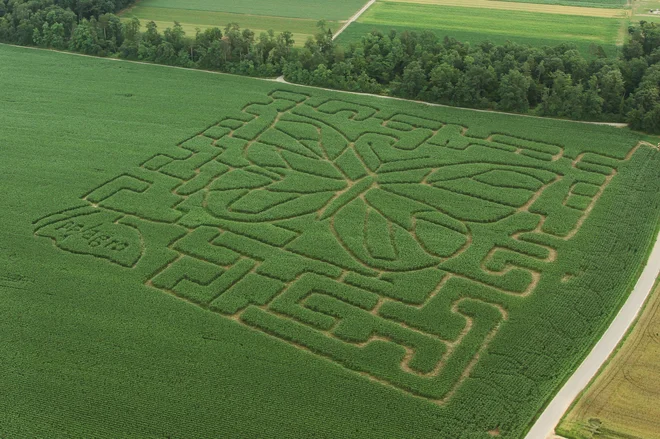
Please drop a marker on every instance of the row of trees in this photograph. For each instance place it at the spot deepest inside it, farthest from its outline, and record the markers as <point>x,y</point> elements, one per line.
<point>551,81</point>
<point>90,27</point>
<point>52,22</point>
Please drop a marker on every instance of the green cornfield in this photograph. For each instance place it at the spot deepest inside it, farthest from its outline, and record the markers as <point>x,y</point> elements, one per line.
<point>186,254</point>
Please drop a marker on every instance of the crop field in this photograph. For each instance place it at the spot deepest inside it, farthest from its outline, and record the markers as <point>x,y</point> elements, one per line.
<point>619,402</point>
<point>523,7</point>
<point>188,254</point>
<point>583,3</point>
<point>482,21</point>
<point>298,16</point>
<point>641,10</point>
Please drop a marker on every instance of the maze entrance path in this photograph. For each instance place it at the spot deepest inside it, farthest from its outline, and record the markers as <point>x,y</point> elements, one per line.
<point>392,244</point>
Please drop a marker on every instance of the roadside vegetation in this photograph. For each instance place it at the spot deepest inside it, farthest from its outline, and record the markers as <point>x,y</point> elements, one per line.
<point>619,402</point>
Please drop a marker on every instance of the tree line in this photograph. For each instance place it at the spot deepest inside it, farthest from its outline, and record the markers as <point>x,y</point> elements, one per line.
<point>554,81</point>
<point>91,27</point>
<point>550,81</point>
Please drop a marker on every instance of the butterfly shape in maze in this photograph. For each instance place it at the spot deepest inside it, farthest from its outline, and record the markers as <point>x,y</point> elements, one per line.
<point>393,244</point>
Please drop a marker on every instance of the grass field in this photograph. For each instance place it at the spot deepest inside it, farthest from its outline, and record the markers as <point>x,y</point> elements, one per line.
<point>476,25</point>
<point>641,10</point>
<point>315,9</point>
<point>620,401</point>
<point>523,7</point>
<point>188,254</point>
<point>191,20</point>
<point>298,16</point>
<point>583,3</point>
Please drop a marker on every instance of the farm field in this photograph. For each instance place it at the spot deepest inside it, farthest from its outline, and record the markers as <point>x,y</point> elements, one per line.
<point>481,22</point>
<point>641,10</point>
<point>583,3</point>
<point>536,7</point>
<point>298,17</point>
<point>619,402</point>
<point>187,254</point>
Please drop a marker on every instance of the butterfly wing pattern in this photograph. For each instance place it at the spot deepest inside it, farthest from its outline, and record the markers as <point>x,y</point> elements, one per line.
<point>394,246</point>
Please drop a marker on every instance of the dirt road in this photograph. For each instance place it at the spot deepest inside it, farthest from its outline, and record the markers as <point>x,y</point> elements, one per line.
<point>353,18</point>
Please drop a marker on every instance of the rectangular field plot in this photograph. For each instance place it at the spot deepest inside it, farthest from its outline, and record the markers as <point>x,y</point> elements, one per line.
<point>191,20</point>
<point>641,10</point>
<point>536,7</point>
<point>298,17</point>
<point>475,25</point>
<point>582,3</point>
<point>335,10</point>
<point>231,257</point>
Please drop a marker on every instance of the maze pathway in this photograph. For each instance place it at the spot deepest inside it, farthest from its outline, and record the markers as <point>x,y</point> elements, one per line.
<point>391,244</point>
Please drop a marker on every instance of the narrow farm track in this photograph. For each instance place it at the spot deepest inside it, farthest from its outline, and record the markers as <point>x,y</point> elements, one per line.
<point>546,423</point>
<point>353,18</point>
<point>431,104</point>
<point>281,79</point>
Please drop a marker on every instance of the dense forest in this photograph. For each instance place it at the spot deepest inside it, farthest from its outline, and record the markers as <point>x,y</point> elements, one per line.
<point>551,81</point>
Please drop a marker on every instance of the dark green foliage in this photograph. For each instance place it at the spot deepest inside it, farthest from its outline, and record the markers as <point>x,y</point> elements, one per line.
<point>585,189</point>
<point>548,81</point>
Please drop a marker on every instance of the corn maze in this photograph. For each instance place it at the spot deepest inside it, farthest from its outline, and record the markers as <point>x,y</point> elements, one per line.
<point>394,245</point>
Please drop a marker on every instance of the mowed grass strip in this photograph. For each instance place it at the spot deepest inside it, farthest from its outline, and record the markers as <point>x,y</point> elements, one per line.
<point>484,24</point>
<point>617,403</point>
<point>314,9</point>
<point>527,7</point>
<point>191,20</point>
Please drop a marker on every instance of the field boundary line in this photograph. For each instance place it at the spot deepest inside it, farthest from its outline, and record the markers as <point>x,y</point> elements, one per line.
<point>432,104</point>
<point>283,81</point>
<point>354,18</point>
<point>602,350</point>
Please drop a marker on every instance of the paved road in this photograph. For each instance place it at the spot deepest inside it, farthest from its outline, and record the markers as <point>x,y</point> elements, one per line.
<point>546,423</point>
<point>353,18</point>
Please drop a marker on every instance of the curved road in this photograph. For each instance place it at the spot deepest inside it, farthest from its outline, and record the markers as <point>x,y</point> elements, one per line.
<point>546,423</point>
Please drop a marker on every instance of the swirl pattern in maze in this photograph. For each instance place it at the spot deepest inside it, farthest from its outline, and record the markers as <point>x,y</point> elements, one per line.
<point>392,244</point>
